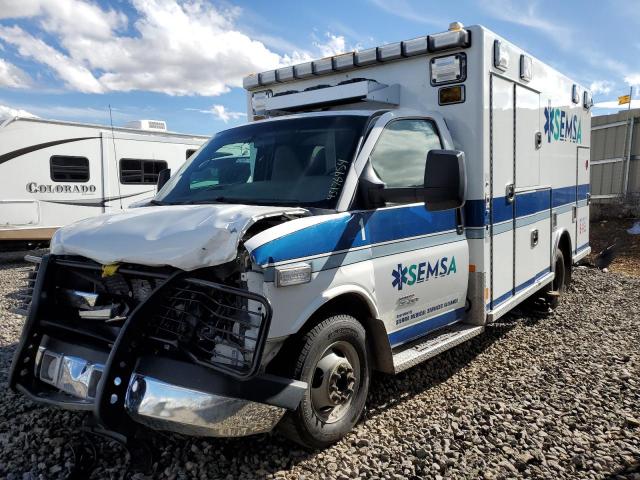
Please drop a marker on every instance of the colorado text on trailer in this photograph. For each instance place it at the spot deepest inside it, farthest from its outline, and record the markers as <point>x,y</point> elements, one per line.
<point>381,207</point>
<point>53,173</point>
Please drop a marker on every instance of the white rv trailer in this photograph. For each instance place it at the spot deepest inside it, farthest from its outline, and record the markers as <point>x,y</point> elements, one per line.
<point>382,207</point>
<point>53,173</point>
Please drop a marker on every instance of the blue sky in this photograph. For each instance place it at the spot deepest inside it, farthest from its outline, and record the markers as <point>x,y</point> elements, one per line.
<point>183,61</point>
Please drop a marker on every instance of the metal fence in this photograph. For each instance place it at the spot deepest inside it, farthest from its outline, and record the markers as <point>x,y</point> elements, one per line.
<point>615,157</point>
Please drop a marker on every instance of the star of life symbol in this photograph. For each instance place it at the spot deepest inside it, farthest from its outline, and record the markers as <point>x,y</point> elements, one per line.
<point>399,276</point>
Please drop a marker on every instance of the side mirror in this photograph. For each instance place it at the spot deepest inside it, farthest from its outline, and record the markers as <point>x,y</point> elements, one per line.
<point>163,177</point>
<point>445,180</point>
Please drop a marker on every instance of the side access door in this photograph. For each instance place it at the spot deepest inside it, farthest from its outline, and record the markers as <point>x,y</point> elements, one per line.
<point>581,209</point>
<point>420,258</point>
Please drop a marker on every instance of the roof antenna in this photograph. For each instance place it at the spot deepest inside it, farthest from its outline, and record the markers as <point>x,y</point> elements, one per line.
<point>115,158</point>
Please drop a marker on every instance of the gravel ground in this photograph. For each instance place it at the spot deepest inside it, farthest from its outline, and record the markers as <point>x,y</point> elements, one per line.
<point>536,396</point>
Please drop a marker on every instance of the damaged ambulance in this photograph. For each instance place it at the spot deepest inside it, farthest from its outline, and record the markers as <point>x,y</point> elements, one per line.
<point>381,207</point>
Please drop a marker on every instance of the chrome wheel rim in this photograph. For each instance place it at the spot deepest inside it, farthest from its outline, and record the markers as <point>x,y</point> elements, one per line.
<point>335,382</point>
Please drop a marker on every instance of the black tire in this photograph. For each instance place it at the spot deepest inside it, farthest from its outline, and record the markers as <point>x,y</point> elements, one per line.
<point>560,281</point>
<point>308,425</point>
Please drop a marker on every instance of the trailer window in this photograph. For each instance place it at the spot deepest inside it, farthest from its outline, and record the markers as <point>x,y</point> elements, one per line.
<point>401,151</point>
<point>140,172</point>
<point>69,169</point>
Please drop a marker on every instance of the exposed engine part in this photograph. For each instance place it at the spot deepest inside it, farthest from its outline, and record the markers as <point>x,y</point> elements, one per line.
<point>215,325</point>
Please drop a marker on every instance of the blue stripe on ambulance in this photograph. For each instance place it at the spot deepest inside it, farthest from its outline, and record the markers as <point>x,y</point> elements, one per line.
<point>345,232</point>
<point>343,241</point>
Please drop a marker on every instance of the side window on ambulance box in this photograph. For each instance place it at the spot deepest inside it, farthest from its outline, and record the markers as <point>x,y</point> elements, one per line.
<point>401,152</point>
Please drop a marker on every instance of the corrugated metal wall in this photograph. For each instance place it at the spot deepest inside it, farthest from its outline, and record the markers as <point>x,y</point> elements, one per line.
<point>609,154</point>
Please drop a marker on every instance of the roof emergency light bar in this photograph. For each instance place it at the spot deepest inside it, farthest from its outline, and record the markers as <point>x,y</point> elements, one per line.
<point>343,93</point>
<point>455,37</point>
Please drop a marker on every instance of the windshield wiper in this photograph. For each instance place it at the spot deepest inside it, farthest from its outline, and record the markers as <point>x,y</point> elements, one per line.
<point>204,201</point>
<point>156,202</point>
<point>244,201</point>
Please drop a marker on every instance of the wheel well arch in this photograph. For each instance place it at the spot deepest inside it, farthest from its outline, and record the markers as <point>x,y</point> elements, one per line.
<point>359,307</point>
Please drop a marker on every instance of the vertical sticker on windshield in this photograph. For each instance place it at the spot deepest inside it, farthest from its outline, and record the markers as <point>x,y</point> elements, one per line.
<point>338,179</point>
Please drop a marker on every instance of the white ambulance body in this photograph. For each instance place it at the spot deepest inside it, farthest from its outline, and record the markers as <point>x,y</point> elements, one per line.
<point>525,131</point>
<point>381,207</point>
<point>53,173</point>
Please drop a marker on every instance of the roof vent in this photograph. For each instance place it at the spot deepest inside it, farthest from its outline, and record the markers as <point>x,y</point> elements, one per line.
<point>150,125</point>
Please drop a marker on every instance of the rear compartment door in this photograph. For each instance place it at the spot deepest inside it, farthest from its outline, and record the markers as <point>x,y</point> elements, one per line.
<point>582,199</point>
<point>502,190</point>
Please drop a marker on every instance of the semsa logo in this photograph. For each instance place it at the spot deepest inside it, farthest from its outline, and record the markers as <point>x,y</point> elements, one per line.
<point>562,126</point>
<point>423,271</point>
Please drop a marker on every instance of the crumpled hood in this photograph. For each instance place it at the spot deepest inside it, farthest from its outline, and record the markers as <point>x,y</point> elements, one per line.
<point>183,236</point>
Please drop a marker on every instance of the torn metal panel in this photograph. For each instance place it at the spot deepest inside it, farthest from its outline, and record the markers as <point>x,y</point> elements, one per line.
<point>183,236</point>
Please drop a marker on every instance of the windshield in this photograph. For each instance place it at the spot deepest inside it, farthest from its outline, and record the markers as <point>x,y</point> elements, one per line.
<point>302,161</point>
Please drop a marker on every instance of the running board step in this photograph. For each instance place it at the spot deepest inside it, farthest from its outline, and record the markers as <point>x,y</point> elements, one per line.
<point>433,344</point>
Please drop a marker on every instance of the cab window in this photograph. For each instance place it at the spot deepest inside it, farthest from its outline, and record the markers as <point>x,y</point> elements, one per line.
<point>401,151</point>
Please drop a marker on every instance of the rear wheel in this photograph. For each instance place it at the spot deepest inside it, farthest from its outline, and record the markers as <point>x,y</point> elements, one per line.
<point>334,363</point>
<point>560,281</point>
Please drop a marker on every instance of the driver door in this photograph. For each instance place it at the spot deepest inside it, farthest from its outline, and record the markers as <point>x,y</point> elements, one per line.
<point>420,261</point>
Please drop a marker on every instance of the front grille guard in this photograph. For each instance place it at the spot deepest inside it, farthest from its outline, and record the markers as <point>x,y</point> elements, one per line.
<point>109,406</point>
<point>25,295</point>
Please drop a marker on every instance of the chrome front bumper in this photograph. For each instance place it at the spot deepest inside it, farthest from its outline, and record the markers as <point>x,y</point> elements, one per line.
<point>166,406</point>
<point>162,406</point>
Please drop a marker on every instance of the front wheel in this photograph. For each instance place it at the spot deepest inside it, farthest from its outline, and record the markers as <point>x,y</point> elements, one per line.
<point>334,363</point>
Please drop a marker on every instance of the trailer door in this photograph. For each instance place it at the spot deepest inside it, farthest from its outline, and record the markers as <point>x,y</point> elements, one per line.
<point>133,164</point>
<point>502,190</point>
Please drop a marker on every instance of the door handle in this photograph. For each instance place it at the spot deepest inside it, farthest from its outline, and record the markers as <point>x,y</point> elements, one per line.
<point>510,192</point>
<point>534,238</point>
<point>538,140</point>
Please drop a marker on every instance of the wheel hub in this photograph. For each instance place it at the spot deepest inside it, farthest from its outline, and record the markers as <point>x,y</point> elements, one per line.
<point>341,383</point>
<point>335,381</point>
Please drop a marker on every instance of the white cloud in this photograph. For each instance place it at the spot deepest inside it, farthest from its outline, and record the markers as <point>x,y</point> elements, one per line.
<point>613,104</point>
<point>73,73</point>
<point>633,79</point>
<point>79,113</point>
<point>176,47</point>
<point>221,113</point>
<point>179,48</point>
<point>8,112</point>
<point>12,76</point>
<point>601,86</point>
<point>71,17</point>
<point>334,45</point>
<point>20,8</point>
